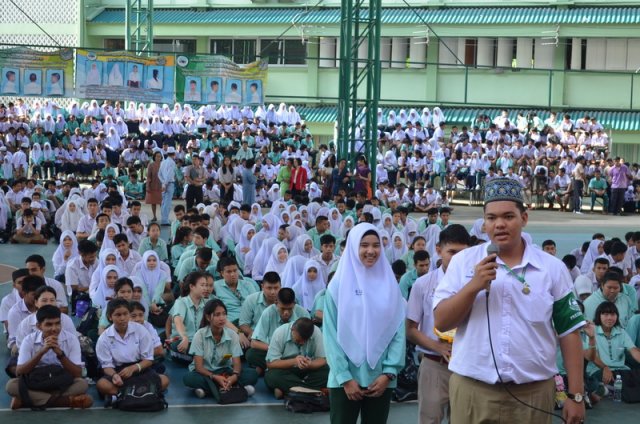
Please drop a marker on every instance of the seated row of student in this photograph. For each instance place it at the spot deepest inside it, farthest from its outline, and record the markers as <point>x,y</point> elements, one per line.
<point>216,353</point>
<point>200,240</point>
<point>614,290</point>
<point>50,345</point>
<point>125,349</point>
<point>284,311</point>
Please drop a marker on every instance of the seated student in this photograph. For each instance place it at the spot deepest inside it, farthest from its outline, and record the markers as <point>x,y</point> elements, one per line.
<point>37,266</point>
<point>124,349</point>
<point>122,290</point>
<point>138,313</point>
<point>13,297</point>
<point>549,246</point>
<point>611,290</point>
<point>51,345</point>
<point>255,304</point>
<point>135,231</point>
<point>44,296</point>
<point>127,258</point>
<point>597,273</point>
<point>216,354</point>
<point>186,316</point>
<point>419,243</point>
<point>18,312</point>
<point>421,266</point>
<point>202,261</point>
<point>312,281</point>
<point>154,242</point>
<point>296,358</point>
<point>102,221</point>
<point>274,316</point>
<point>28,229</point>
<point>232,289</point>
<point>106,257</point>
<point>86,223</point>
<point>317,312</point>
<point>180,242</point>
<point>179,211</point>
<point>157,284</point>
<point>611,342</point>
<point>106,287</point>
<point>78,274</point>
<point>327,258</point>
<point>200,240</point>
<point>134,190</point>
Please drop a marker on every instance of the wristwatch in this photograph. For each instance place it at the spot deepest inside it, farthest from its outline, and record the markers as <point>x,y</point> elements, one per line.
<point>390,376</point>
<point>577,398</point>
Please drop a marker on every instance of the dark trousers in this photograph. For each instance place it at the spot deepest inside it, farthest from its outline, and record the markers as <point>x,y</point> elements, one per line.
<point>256,358</point>
<point>578,186</point>
<point>286,379</point>
<point>371,410</point>
<point>194,196</point>
<point>617,199</point>
<point>247,377</point>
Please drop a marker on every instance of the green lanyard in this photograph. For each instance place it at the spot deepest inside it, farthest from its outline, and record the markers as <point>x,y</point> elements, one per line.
<point>525,287</point>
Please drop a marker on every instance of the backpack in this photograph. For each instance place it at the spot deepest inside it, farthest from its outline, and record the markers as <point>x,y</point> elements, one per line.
<point>407,388</point>
<point>89,322</point>
<point>306,401</point>
<point>141,393</point>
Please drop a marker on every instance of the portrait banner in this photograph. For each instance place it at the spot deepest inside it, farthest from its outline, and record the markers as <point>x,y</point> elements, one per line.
<point>204,79</point>
<point>125,76</point>
<point>28,72</point>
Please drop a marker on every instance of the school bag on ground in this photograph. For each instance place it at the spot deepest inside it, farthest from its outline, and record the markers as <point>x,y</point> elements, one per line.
<point>306,401</point>
<point>141,393</point>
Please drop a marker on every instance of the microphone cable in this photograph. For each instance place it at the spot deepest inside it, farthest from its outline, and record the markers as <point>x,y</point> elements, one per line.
<point>504,386</point>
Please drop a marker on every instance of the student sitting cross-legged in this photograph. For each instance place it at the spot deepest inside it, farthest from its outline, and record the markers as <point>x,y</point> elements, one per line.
<point>124,350</point>
<point>50,345</point>
<point>216,356</point>
<point>284,311</point>
<point>296,358</point>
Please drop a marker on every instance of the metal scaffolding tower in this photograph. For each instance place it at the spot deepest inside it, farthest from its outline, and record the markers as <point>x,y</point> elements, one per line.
<point>139,26</point>
<point>359,80</point>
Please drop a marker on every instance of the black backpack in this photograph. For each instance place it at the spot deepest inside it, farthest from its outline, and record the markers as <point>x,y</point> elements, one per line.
<point>141,393</point>
<point>89,322</point>
<point>306,401</point>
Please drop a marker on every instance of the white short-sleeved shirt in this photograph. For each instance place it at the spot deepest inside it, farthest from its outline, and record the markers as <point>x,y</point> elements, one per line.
<point>420,306</point>
<point>33,343</point>
<point>522,325</point>
<point>28,326</point>
<point>114,350</point>
<point>61,292</point>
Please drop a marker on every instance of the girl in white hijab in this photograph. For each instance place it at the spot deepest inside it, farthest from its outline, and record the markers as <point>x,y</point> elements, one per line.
<point>593,252</point>
<point>274,193</point>
<point>256,213</point>
<point>398,246</point>
<point>71,217</point>
<point>293,270</point>
<point>363,324</point>
<point>262,257</point>
<point>335,220</point>
<point>303,246</point>
<point>314,191</point>
<point>66,251</point>
<point>271,223</point>
<point>425,118</point>
<point>294,116</point>
<point>391,119</point>
<point>106,283</point>
<point>310,284</point>
<point>244,244</point>
<point>149,272</point>
<point>254,248</point>
<point>278,259</point>
<point>347,223</point>
<point>437,117</point>
<point>109,233</point>
<point>282,114</point>
<point>271,115</point>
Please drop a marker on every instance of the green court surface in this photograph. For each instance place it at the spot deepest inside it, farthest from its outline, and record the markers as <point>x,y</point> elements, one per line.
<point>567,230</point>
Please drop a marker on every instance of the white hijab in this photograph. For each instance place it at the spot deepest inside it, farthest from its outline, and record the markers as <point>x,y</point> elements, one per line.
<point>274,263</point>
<point>106,242</point>
<point>115,76</point>
<point>103,292</point>
<point>70,220</point>
<point>293,270</point>
<point>590,256</point>
<point>298,247</point>
<point>362,296</point>
<point>262,257</point>
<point>58,256</point>
<point>151,278</point>
<point>306,290</point>
<point>398,253</point>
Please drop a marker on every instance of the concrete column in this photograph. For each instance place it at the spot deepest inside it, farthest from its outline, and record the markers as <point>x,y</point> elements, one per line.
<point>399,52</point>
<point>327,52</point>
<point>576,53</point>
<point>505,52</point>
<point>417,53</point>
<point>524,52</point>
<point>484,55</point>
<point>431,81</point>
<point>543,54</point>
<point>385,51</point>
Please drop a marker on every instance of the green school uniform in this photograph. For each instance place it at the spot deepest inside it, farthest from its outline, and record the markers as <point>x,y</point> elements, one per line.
<point>282,345</point>
<point>252,309</point>
<point>270,321</point>
<point>215,355</point>
<point>190,313</point>
<point>611,350</point>
<point>233,299</point>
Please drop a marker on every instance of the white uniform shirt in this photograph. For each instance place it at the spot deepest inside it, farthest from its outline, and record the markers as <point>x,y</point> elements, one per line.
<point>524,339</point>
<point>33,343</point>
<point>420,306</point>
<point>114,350</point>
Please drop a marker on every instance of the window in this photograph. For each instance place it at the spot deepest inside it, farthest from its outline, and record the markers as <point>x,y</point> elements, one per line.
<point>240,51</point>
<point>174,46</point>
<point>470,51</point>
<point>114,43</point>
<point>283,52</point>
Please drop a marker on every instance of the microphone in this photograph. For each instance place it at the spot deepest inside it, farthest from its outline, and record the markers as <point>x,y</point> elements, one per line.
<point>491,250</point>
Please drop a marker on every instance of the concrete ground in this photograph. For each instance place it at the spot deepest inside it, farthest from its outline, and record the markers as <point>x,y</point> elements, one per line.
<point>568,230</point>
